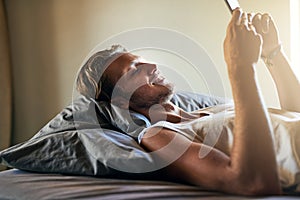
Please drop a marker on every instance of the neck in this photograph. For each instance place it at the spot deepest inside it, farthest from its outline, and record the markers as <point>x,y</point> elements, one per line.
<point>165,112</point>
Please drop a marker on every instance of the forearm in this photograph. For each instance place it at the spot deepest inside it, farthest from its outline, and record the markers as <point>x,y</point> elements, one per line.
<point>287,84</point>
<point>252,154</point>
<point>252,157</point>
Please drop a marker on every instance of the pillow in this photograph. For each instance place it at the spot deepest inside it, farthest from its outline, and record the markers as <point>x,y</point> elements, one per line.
<point>190,101</point>
<point>93,138</point>
<point>133,123</point>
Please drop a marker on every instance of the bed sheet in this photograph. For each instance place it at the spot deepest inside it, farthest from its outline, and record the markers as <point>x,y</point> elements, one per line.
<point>20,185</point>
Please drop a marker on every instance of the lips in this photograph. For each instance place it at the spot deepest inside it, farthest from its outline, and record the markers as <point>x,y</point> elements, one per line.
<point>160,79</point>
<point>157,80</point>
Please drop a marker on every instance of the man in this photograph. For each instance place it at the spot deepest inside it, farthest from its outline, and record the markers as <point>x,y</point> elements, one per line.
<point>249,166</point>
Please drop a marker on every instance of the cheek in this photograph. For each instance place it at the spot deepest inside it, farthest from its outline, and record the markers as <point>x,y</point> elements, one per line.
<point>133,85</point>
<point>144,91</point>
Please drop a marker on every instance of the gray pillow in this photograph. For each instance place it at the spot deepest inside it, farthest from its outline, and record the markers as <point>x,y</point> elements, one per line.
<point>93,138</point>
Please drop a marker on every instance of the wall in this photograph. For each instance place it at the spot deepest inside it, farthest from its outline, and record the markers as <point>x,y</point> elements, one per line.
<point>295,32</point>
<point>5,83</point>
<point>50,39</point>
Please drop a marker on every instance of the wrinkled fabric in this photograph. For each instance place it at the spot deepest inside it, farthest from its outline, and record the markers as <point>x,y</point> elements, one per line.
<point>20,185</point>
<point>91,137</point>
<point>216,130</point>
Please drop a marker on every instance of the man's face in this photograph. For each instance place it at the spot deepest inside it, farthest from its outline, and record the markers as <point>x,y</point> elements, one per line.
<point>139,81</point>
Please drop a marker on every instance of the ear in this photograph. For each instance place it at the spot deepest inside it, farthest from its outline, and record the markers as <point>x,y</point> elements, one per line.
<point>120,102</point>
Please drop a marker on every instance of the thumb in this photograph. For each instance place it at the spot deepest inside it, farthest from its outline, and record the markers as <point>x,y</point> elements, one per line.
<point>236,16</point>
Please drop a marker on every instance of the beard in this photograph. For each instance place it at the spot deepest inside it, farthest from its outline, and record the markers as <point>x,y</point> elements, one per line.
<point>144,99</point>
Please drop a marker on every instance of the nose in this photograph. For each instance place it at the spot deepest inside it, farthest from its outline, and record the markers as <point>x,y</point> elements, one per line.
<point>150,68</point>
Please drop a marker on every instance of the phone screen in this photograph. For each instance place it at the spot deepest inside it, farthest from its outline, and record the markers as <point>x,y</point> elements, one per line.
<point>232,4</point>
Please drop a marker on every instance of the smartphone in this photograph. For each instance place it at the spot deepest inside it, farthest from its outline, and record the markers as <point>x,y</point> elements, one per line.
<point>232,4</point>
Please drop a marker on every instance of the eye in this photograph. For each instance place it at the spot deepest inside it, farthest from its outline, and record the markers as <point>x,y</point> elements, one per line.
<point>136,70</point>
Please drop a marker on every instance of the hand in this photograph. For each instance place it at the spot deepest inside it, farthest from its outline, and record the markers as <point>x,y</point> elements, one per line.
<point>242,44</point>
<point>265,26</point>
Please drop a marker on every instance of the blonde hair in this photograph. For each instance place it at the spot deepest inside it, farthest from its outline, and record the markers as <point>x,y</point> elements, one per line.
<point>90,80</point>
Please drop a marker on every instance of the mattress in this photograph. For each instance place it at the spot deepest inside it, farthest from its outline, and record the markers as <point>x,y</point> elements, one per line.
<point>20,185</point>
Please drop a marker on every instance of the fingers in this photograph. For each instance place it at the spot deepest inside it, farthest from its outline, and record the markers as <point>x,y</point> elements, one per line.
<point>244,19</point>
<point>242,43</point>
<point>235,20</point>
<point>256,21</point>
<point>250,17</point>
<point>266,28</point>
<point>265,20</point>
<point>240,18</point>
<point>262,22</point>
<point>236,16</point>
<point>246,22</point>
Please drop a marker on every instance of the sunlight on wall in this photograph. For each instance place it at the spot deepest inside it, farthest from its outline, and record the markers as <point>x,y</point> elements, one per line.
<point>295,35</point>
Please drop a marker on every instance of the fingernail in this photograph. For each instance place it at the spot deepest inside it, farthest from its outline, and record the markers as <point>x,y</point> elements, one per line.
<point>238,22</point>
<point>265,27</point>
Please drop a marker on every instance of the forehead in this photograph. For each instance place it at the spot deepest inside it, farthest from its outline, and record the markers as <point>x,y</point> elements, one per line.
<point>120,66</point>
<point>125,58</point>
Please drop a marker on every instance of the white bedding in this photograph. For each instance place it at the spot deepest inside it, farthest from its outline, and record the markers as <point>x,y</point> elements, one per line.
<point>216,130</point>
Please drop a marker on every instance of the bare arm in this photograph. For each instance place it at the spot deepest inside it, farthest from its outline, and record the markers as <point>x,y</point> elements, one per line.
<point>253,145</point>
<point>251,168</point>
<point>287,84</point>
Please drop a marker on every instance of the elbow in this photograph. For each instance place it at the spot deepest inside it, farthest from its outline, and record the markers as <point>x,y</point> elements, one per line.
<point>255,185</point>
<point>263,188</point>
<point>260,187</point>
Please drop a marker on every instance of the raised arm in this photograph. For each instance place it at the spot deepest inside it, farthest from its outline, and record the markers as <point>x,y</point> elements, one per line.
<point>253,151</point>
<point>287,84</point>
<point>251,167</point>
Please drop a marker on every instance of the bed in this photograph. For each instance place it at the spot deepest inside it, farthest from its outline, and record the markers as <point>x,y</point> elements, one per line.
<point>89,151</point>
<point>17,184</point>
